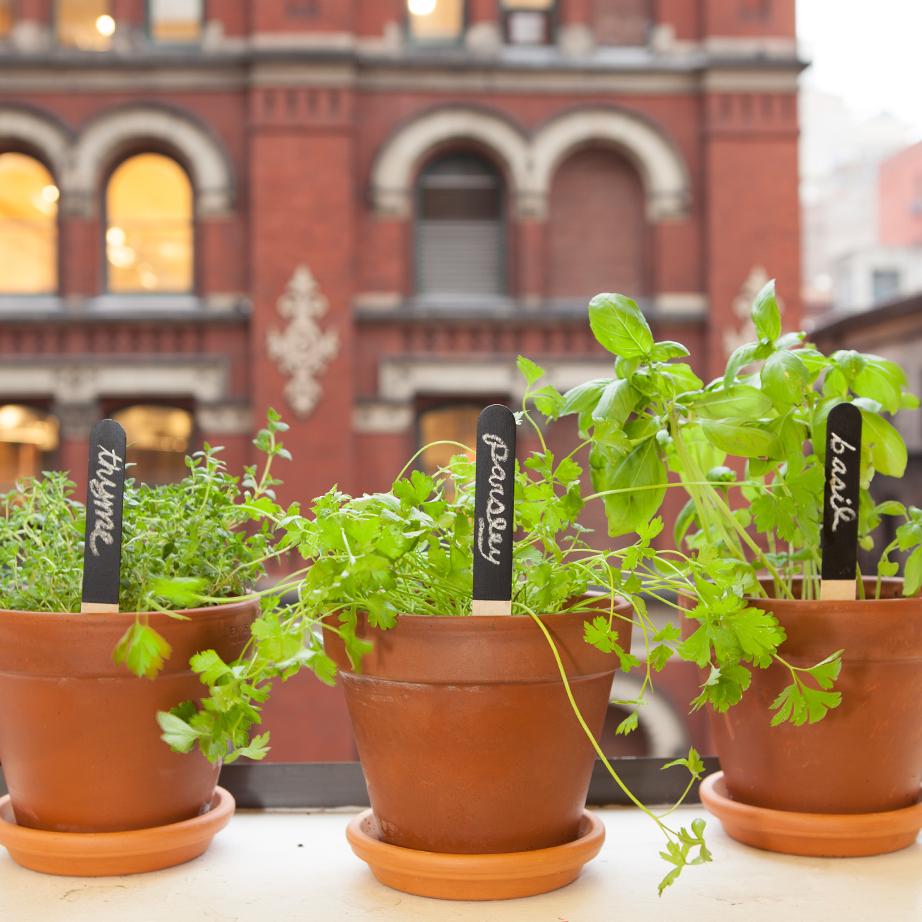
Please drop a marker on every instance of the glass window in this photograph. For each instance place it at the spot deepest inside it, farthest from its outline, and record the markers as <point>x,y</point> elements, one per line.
<point>149,233</point>
<point>885,285</point>
<point>158,440</point>
<point>528,22</point>
<point>435,20</point>
<point>85,24</point>
<point>6,17</point>
<point>28,226</point>
<point>453,423</point>
<point>27,436</point>
<point>460,230</point>
<point>175,21</point>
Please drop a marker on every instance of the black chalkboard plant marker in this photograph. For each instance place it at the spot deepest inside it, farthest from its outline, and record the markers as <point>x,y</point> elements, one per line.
<point>494,519</point>
<point>840,503</point>
<point>102,555</point>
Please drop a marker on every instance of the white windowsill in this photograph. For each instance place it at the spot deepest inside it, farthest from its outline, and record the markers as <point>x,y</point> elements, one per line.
<point>298,866</point>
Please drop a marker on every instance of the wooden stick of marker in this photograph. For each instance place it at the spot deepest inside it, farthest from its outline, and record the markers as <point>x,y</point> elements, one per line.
<point>840,503</point>
<point>494,518</point>
<point>102,553</point>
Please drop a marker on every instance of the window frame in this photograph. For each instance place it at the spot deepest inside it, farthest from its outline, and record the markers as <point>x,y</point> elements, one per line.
<point>167,297</point>
<point>158,43</point>
<point>412,42</point>
<point>506,255</point>
<point>51,297</point>
<point>551,15</point>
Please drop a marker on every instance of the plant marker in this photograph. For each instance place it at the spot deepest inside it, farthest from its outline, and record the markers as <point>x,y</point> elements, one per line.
<point>494,518</point>
<point>840,503</point>
<point>102,554</point>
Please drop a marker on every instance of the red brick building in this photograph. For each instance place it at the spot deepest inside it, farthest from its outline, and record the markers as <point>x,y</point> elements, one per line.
<point>359,212</point>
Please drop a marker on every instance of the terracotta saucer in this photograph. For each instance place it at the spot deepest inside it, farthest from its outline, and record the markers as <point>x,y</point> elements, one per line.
<point>474,877</point>
<point>102,854</point>
<point>820,835</point>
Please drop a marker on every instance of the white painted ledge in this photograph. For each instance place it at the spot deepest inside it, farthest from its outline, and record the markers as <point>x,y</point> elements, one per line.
<point>297,866</point>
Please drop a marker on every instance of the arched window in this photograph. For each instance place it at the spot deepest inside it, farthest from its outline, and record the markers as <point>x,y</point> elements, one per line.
<point>158,440</point>
<point>84,24</point>
<point>27,436</point>
<point>28,226</point>
<point>454,422</point>
<point>460,229</point>
<point>149,233</point>
<point>597,227</point>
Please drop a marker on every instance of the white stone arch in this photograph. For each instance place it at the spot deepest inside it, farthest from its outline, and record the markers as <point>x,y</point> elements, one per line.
<point>41,134</point>
<point>394,170</point>
<point>664,173</point>
<point>100,142</point>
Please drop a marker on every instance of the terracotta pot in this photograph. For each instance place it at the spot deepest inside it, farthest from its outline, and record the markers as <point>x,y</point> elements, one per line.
<point>466,737</point>
<point>866,755</point>
<point>79,741</point>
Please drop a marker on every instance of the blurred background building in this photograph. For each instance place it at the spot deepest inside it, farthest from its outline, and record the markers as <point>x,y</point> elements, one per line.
<point>360,212</point>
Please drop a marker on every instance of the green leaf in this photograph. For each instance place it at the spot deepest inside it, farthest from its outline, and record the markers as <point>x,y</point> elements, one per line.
<point>584,396</point>
<point>913,573</point>
<point>620,326</point>
<point>209,666</point>
<point>529,369</point>
<point>692,762</point>
<point>142,650</point>
<point>599,634</point>
<point>628,725</point>
<point>886,445</point>
<point>741,357</point>
<point>177,733</point>
<point>667,349</point>
<point>744,438</point>
<point>785,378</point>
<point>641,476</point>
<point>765,313</point>
<point>738,400</point>
<point>616,403</point>
<point>881,380</point>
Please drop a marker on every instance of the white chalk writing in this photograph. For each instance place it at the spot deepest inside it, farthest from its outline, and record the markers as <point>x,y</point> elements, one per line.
<point>842,508</point>
<point>102,491</point>
<point>494,524</point>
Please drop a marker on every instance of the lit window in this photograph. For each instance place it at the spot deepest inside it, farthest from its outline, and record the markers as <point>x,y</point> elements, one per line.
<point>6,17</point>
<point>175,21</point>
<point>28,226</point>
<point>85,24</point>
<point>158,441</point>
<point>435,20</point>
<point>149,226</point>
<point>460,231</point>
<point>885,285</point>
<point>27,436</point>
<point>454,423</point>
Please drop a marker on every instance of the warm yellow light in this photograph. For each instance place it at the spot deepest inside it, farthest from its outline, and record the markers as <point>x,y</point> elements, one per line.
<point>421,7</point>
<point>50,194</point>
<point>105,25</point>
<point>115,236</point>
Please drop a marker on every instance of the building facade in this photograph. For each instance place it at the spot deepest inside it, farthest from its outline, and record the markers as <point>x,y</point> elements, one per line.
<point>360,212</point>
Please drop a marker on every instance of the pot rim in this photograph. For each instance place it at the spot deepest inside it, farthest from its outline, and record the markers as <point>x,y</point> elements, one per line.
<point>898,601</point>
<point>197,614</point>
<point>621,605</point>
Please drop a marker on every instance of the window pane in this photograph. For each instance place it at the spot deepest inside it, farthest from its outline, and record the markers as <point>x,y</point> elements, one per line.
<point>453,423</point>
<point>6,17</point>
<point>149,230</point>
<point>158,440</point>
<point>28,226</point>
<point>460,232</point>
<point>175,21</point>
<point>26,438</point>
<point>86,24</point>
<point>435,20</point>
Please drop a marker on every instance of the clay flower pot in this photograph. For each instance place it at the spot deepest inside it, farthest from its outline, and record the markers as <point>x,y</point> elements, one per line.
<point>467,740</point>
<point>79,742</point>
<point>865,756</point>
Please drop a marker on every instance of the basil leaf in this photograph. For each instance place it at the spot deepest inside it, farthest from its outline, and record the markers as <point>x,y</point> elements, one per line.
<point>620,326</point>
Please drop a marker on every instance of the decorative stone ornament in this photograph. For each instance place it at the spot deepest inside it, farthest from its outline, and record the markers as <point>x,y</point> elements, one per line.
<point>742,305</point>
<point>302,351</point>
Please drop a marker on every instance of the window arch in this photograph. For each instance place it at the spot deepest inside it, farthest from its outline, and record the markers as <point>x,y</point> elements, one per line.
<point>28,226</point>
<point>27,437</point>
<point>149,226</point>
<point>460,228</point>
<point>158,439</point>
